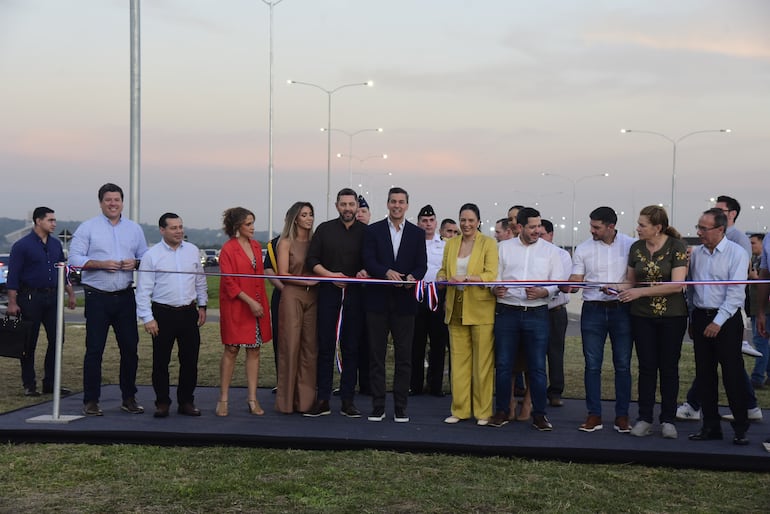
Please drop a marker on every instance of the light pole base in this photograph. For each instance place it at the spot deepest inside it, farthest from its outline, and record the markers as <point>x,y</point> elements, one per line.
<point>50,419</point>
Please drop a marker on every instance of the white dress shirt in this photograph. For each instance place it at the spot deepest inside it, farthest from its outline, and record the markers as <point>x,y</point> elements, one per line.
<point>174,289</point>
<point>602,263</point>
<point>395,235</point>
<point>435,249</point>
<point>558,298</point>
<point>728,261</point>
<point>538,261</point>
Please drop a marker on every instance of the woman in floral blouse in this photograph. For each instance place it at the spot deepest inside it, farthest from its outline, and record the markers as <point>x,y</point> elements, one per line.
<point>658,315</point>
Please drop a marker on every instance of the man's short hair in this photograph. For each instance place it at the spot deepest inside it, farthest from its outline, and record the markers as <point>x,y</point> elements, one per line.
<point>606,215</point>
<point>731,203</point>
<point>346,191</point>
<point>40,212</point>
<point>109,188</point>
<point>720,218</point>
<point>447,221</point>
<point>163,221</point>
<point>504,223</point>
<point>758,235</point>
<point>398,191</point>
<point>547,225</point>
<point>525,213</point>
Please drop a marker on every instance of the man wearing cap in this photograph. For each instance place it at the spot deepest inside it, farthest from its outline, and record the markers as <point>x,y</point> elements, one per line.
<point>428,323</point>
<point>363,214</point>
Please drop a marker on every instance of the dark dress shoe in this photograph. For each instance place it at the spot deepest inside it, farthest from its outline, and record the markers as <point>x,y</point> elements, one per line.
<point>189,409</point>
<point>740,440</point>
<point>63,391</point>
<point>161,410</point>
<point>555,401</point>
<point>31,391</point>
<point>705,435</point>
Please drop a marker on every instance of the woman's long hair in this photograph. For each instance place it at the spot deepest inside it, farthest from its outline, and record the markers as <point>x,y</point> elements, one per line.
<point>289,232</point>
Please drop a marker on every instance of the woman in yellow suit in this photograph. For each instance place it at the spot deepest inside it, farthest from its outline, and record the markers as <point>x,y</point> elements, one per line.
<point>470,314</point>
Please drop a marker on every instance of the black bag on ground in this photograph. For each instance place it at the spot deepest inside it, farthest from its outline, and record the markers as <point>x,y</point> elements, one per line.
<point>15,337</point>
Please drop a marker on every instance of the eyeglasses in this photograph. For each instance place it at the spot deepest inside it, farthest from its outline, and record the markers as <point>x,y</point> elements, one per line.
<point>701,228</point>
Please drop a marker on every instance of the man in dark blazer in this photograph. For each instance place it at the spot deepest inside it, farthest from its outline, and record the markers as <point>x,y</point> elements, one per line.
<point>394,249</point>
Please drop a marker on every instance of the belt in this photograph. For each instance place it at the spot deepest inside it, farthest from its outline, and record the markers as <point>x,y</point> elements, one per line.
<point>47,290</point>
<point>172,308</point>
<point>708,312</point>
<point>557,308</point>
<point>91,289</point>
<point>521,308</point>
<point>610,304</point>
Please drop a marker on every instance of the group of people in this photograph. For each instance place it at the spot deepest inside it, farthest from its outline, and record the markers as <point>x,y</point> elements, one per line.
<point>345,287</point>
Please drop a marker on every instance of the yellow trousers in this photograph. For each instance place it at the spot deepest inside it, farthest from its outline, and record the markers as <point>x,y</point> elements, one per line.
<point>472,351</point>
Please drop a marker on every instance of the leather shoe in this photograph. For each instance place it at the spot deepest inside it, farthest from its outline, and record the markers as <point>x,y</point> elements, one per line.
<point>555,401</point>
<point>161,410</point>
<point>740,440</point>
<point>189,409</point>
<point>705,435</point>
<point>31,391</point>
<point>63,391</point>
<point>92,409</point>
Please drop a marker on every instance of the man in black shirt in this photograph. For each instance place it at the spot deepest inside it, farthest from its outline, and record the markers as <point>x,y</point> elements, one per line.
<point>335,251</point>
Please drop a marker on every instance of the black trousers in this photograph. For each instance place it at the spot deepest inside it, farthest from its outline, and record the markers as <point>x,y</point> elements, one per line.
<point>39,307</point>
<point>401,327</point>
<point>429,325</point>
<point>557,319</point>
<point>723,350</point>
<point>180,326</point>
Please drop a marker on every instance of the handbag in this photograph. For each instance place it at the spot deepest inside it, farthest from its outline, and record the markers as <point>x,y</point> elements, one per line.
<point>15,337</point>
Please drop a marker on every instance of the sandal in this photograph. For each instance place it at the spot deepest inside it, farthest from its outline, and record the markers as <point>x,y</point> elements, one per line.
<point>255,408</point>
<point>222,408</point>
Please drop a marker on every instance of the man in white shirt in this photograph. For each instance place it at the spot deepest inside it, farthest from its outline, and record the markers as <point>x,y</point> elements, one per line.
<point>503,230</point>
<point>521,315</point>
<point>430,324</point>
<point>172,307</point>
<point>603,260</point>
<point>716,325</point>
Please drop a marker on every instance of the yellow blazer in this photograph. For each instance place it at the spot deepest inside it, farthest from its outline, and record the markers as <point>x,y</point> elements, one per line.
<point>478,301</point>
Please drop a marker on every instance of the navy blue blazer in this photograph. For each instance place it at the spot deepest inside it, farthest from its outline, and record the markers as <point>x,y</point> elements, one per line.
<point>412,259</point>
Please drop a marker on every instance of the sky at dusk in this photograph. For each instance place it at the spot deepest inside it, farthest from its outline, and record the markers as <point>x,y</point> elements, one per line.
<point>476,98</point>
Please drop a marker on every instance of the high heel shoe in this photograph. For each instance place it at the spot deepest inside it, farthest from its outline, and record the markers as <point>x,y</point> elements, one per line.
<point>255,408</point>
<point>222,408</point>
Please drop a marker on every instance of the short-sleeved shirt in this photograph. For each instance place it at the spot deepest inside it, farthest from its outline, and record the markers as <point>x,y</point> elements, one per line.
<point>657,268</point>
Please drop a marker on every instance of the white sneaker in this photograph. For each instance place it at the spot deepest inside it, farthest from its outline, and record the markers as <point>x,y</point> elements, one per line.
<point>669,431</point>
<point>685,412</point>
<point>750,350</point>
<point>641,429</point>
<point>755,414</point>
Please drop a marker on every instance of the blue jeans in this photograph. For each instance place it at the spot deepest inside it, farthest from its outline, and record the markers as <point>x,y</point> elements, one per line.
<point>530,328</point>
<point>597,320</point>
<point>761,364</point>
<point>102,311</point>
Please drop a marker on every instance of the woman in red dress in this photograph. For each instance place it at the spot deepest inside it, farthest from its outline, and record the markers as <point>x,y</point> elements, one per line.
<point>243,306</point>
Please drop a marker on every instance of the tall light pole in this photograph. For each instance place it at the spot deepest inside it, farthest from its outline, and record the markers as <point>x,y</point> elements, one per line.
<point>135,151</point>
<point>350,146</point>
<point>329,93</point>
<point>574,182</point>
<point>360,161</point>
<point>270,4</point>
<point>674,143</point>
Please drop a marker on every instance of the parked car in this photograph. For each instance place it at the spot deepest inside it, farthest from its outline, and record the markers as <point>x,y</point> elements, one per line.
<point>209,257</point>
<point>4,259</point>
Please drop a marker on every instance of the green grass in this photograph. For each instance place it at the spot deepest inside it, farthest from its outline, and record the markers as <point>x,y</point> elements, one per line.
<point>93,478</point>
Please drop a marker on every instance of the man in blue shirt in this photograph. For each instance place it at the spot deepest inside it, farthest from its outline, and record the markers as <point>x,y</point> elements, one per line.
<point>172,307</point>
<point>32,283</point>
<point>108,248</point>
<point>716,324</point>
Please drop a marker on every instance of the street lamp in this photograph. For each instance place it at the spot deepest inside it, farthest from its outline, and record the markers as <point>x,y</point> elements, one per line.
<point>574,183</point>
<point>270,4</point>
<point>369,192</point>
<point>329,93</point>
<point>350,146</point>
<point>674,143</point>
<point>360,161</point>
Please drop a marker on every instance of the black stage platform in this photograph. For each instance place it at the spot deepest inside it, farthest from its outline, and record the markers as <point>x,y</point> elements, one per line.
<point>426,432</point>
